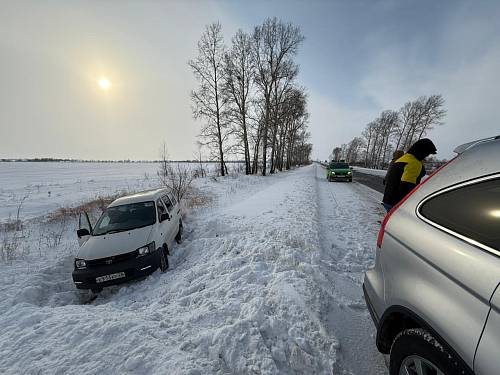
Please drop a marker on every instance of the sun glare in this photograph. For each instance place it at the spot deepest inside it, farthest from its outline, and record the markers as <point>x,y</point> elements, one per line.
<point>495,213</point>
<point>104,83</point>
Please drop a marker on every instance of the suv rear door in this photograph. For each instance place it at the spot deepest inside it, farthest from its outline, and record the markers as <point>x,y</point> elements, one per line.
<point>445,267</point>
<point>470,211</point>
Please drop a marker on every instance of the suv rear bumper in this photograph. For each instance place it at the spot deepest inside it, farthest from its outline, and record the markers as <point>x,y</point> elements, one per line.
<point>134,268</point>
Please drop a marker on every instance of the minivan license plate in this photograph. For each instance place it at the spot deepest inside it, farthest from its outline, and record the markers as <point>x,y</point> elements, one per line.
<point>113,276</point>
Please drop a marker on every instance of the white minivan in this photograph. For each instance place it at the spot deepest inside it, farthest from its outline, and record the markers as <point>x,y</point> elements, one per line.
<point>129,241</point>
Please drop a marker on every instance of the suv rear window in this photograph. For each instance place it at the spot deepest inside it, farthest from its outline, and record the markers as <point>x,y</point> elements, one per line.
<point>472,211</point>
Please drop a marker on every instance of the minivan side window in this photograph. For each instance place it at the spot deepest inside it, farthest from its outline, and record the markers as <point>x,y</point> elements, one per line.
<point>472,211</point>
<point>174,201</point>
<point>160,208</point>
<point>167,201</point>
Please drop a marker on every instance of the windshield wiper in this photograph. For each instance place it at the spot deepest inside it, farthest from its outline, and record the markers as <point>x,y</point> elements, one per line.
<point>115,231</point>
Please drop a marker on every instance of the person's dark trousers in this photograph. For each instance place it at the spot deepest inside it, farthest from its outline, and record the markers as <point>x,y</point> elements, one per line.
<point>387,206</point>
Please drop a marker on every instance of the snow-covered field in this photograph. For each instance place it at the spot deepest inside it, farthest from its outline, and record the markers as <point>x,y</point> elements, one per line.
<point>267,281</point>
<point>46,186</point>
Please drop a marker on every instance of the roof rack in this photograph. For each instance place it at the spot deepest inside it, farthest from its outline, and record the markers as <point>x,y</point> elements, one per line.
<point>466,146</point>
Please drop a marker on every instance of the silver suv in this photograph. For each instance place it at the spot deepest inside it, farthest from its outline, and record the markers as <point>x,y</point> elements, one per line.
<point>433,292</point>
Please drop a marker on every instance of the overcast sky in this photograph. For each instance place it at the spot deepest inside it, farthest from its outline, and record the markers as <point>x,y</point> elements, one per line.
<point>359,58</point>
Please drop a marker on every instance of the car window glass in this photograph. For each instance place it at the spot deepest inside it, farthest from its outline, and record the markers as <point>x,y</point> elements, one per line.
<point>160,207</point>
<point>174,201</point>
<point>105,221</point>
<point>125,217</point>
<point>168,203</point>
<point>472,211</point>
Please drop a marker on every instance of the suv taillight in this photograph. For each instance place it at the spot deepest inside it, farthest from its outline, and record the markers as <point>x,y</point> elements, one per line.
<point>393,209</point>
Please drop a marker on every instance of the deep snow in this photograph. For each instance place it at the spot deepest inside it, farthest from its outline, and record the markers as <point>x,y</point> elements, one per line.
<point>267,281</point>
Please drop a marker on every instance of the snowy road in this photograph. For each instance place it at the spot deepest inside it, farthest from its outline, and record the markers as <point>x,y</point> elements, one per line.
<point>267,281</point>
<point>348,215</point>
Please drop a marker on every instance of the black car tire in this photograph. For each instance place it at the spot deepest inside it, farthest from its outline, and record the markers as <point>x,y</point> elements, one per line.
<point>350,180</point>
<point>417,342</point>
<point>163,259</point>
<point>178,236</point>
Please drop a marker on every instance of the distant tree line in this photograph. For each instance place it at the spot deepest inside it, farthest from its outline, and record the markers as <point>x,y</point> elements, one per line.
<point>248,99</point>
<point>392,130</point>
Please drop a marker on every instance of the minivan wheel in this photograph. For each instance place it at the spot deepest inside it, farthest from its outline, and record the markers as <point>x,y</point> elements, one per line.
<point>178,237</point>
<point>416,352</point>
<point>163,259</point>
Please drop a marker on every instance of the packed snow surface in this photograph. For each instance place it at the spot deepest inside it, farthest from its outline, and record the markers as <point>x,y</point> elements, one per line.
<point>267,281</point>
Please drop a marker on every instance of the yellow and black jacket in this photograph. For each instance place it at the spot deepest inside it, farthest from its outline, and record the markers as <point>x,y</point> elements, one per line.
<point>403,175</point>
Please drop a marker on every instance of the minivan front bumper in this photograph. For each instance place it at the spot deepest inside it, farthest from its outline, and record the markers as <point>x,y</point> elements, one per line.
<point>134,268</point>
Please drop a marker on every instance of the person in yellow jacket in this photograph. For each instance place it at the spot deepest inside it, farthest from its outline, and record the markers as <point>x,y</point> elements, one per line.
<point>406,172</point>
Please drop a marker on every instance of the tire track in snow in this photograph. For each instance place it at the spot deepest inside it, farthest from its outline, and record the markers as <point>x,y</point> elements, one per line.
<point>347,227</point>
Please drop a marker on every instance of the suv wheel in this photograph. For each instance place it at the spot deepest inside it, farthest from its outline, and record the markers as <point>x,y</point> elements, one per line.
<point>416,352</point>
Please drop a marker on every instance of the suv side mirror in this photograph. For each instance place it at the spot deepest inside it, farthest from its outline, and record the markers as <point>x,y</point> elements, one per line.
<point>82,232</point>
<point>164,216</point>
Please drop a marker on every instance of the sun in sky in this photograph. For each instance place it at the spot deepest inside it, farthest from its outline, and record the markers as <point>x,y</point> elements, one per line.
<point>104,83</point>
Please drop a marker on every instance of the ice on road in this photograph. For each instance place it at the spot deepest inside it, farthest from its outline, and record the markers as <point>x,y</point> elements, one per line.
<point>267,281</point>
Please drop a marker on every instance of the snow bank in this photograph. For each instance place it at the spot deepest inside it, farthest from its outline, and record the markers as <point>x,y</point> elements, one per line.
<point>241,296</point>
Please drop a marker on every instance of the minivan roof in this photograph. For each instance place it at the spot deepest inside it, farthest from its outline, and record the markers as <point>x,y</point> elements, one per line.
<point>142,196</point>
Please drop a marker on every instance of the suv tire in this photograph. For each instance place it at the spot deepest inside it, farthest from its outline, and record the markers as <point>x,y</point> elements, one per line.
<point>417,345</point>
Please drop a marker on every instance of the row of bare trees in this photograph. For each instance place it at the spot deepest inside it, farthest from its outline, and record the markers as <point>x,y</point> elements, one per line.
<point>393,130</point>
<point>248,99</point>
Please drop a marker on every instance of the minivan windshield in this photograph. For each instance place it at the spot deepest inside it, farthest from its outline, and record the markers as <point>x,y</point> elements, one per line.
<point>339,166</point>
<point>125,217</point>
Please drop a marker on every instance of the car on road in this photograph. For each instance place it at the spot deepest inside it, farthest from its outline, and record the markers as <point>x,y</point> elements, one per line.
<point>339,171</point>
<point>130,240</point>
<point>434,291</point>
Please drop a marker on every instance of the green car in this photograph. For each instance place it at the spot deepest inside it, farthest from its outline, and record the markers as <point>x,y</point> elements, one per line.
<point>339,171</point>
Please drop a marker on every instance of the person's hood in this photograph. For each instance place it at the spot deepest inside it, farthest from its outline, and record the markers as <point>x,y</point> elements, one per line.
<point>113,244</point>
<point>422,148</point>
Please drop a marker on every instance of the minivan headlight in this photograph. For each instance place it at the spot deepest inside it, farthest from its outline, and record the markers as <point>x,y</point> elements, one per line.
<point>149,248</point>
<point>80,264</point>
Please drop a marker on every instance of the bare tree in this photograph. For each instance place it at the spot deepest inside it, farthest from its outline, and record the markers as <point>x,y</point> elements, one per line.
<point>208,101</point>
<point>201,171</point>
<point>239,74</point>
<point>177,179</point>
<point>418,117</point>
<point>275,43</point>
<point>336,154</point>
<point>353,150</point>
<point>398,130</point>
